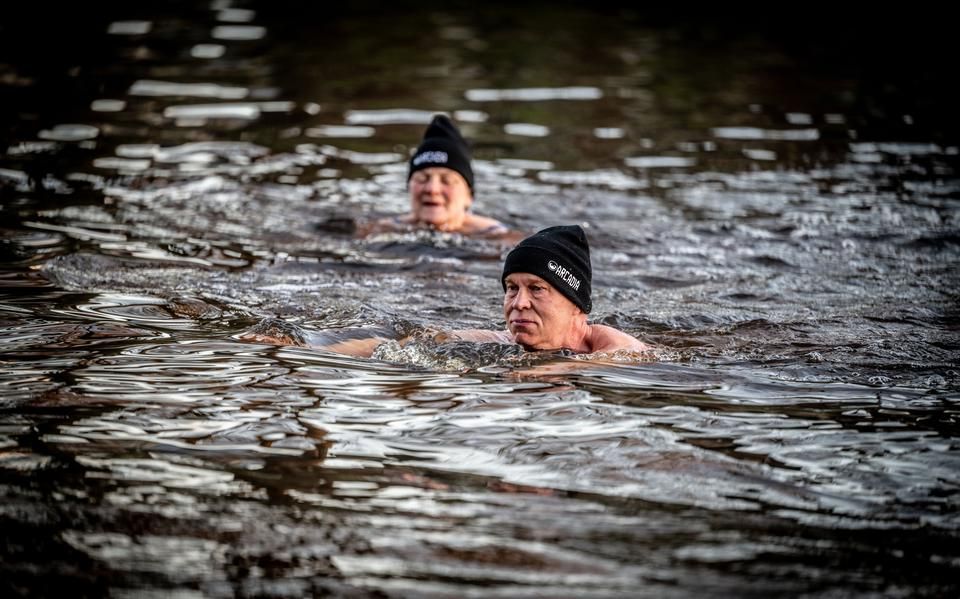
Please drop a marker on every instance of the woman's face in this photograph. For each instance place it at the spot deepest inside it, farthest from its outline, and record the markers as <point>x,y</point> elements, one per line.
<point>439,197</point>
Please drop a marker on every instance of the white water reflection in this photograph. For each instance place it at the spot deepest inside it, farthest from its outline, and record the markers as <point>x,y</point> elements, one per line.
<point>148,87</point>
<point>69,132</point>
<point>236,15</point>
<point>208,51</point>
<point>534,94</point>
<point>601,178</point>
<point>122,164</point>
<point>900,149</point>
<point>390,116</point>
<point>340,131</point>
<point>196,115</point>
<point>129,27</point>
<point>609,133</point>
<point>659,161</point>
<point>748,133</point>
<point>471,116</point>
<point>107,105</point>
<point>527,165</point>
<point>247,111</point>
<point>799,118</point>
<point>526,129</point>
<point>360,157</point>
<point>178,558</point>
<point>238,32</point>
<point>759,154</point>
<point>15,176</point>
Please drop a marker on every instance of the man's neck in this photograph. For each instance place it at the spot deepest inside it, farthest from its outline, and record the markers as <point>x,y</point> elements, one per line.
<point>579,339</point>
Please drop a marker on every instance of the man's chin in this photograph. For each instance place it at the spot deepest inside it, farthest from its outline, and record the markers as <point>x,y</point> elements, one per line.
<point>525,341</point>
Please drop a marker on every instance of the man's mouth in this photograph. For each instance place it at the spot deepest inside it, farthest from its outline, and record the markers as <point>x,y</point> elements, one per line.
<point>522,322</point>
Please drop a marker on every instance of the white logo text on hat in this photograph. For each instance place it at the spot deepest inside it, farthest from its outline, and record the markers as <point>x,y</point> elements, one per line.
<point>565,275</point>
<point>432,157</point>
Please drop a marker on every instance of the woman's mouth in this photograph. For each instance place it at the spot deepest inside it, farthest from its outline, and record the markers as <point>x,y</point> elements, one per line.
<point>430,202</point>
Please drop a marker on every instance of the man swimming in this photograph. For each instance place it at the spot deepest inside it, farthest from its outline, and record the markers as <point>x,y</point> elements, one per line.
<point>547,281</point>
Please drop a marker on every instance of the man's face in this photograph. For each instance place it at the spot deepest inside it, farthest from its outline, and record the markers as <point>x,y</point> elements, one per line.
<point>538,316</point>
<point>440,197</point>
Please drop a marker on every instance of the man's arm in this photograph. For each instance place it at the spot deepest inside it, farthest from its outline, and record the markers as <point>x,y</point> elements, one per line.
<point>360,348</point>
<point>477,335</point>
<point>364,347</point>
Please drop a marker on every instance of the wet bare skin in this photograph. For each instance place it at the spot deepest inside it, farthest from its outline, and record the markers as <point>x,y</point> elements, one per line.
<point>608,340</point>
<point>541,318</point>
<point>440,199</point>
<point>538,318</point>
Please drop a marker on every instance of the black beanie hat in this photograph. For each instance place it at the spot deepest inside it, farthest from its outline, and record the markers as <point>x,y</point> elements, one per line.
<point>443,145</point>
<point>558,255</point>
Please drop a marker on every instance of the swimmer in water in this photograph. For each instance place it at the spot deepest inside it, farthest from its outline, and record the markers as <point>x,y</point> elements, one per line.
<point>440,180</point>
<point>546,281</point>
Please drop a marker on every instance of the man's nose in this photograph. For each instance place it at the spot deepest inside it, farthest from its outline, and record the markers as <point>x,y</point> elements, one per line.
<point>521,300</point>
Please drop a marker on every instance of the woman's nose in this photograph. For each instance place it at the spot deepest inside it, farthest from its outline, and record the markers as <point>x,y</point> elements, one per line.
<point>432,185</point>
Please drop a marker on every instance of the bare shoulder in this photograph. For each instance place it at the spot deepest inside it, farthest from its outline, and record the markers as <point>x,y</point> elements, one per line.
<point>484,226</point>
<point>609,339</point>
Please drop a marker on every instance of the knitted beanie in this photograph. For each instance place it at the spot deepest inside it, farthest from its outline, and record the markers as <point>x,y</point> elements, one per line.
<point>443,145</point>
<point>559,255</point>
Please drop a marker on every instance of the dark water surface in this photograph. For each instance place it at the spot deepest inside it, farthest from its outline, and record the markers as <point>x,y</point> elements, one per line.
<point>774,204</point>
